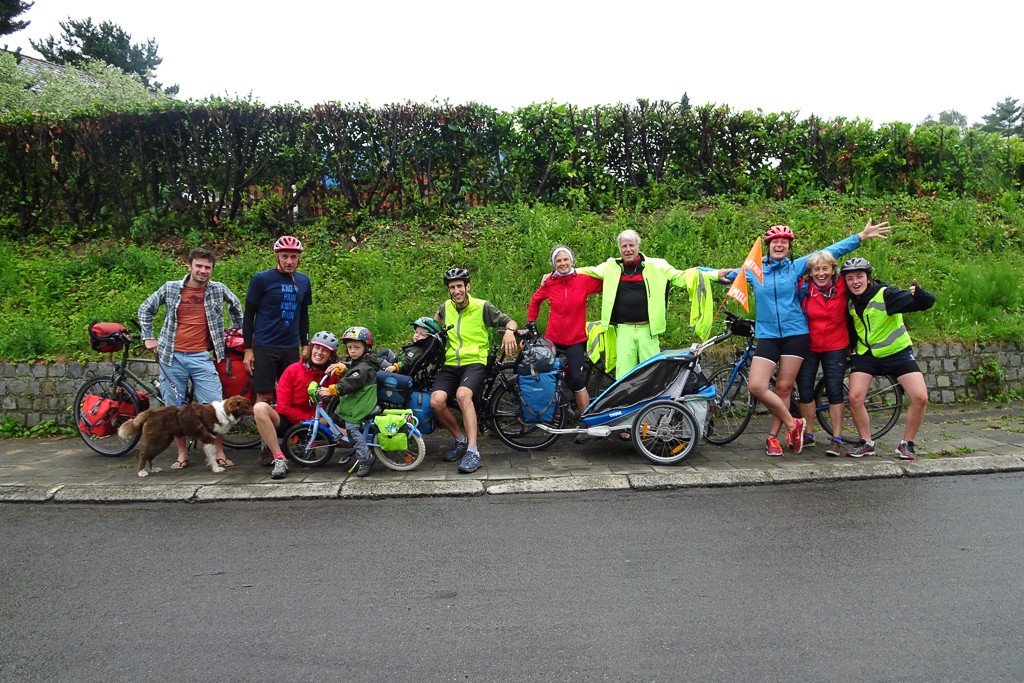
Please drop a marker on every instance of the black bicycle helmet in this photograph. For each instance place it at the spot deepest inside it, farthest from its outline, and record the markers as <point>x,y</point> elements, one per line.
<point>456,273</point>
<point>855,264</point>
<point>429,324</point>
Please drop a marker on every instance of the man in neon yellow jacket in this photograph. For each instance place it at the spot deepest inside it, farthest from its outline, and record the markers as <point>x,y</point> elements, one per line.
<point>633,300</point>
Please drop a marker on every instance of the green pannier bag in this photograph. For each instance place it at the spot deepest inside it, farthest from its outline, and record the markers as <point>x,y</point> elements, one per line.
<point>390,436</point>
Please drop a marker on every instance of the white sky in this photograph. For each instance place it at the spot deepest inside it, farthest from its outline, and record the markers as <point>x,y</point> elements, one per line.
<point>894,60</point>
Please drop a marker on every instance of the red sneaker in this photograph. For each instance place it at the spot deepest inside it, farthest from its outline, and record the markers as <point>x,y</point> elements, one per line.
<point>773,447</point>
<point>795,437</point>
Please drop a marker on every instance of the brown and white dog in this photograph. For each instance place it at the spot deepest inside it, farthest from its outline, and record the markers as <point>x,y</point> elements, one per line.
<point>201,421</point>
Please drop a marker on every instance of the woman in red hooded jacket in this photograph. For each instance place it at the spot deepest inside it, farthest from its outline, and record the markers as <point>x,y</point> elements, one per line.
<point>567,292</point>
<point>823,298</point>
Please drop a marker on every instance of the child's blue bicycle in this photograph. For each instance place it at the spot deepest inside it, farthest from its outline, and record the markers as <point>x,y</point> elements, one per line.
<point>398,446</point>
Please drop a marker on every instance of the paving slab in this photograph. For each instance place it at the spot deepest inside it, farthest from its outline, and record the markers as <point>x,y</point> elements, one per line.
<point>27,494</point>
<point>156,493</point>
<point>566,484</point>
<point>980,464</point>
<point>275,491</point>
<point>367,488</point>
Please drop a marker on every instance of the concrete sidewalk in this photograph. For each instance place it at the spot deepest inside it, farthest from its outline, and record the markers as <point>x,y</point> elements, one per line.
<point>956,439</point>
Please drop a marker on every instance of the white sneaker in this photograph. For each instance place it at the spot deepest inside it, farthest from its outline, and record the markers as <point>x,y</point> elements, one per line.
<point>280,470</point>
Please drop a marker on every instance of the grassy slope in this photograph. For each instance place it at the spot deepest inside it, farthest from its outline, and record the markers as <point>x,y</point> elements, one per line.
<point>968,253</point>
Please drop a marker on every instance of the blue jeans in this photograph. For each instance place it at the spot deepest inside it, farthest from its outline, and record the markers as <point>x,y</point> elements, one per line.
<point>358,441</point>
<point>197,366</point>
<point>833,367</point>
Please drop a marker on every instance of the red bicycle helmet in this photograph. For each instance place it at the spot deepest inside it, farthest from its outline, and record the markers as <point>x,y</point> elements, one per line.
<point>782,231</point>
<point>287,243</point>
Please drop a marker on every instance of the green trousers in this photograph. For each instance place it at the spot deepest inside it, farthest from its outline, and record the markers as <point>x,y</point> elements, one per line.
<point>633,345</point>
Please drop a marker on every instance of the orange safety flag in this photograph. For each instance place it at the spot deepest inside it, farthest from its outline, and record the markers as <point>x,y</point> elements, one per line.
<point>754,261</point>
<point>738,290</point>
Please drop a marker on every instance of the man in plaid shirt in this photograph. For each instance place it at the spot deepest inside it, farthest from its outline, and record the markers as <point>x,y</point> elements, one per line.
<point>193,325</point>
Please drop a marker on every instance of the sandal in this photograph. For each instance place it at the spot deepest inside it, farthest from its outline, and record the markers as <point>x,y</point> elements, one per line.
<point>179,464</point>
<point>626,435</point>
<point>224,462</point>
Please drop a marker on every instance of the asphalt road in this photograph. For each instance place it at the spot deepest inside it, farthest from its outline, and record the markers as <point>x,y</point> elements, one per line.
<point>881,580</point>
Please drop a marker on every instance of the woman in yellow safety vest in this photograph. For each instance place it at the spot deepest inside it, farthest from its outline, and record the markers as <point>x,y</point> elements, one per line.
<point>883,348</point>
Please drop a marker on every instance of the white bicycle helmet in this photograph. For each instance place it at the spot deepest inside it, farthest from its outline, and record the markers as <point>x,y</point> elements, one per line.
<point>325,339</point>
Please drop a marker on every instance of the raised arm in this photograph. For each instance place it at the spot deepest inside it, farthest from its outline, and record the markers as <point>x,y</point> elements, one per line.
<point>872,230</point>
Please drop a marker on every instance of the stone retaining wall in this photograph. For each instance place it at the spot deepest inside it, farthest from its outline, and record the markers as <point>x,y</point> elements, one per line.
<point>38,392</point>
<point>34,393</point>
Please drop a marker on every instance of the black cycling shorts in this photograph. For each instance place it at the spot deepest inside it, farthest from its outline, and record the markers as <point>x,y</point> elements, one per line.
<point>268,364</point>
<point>897,365</point>
<point>574,360</point>
<point>450,377</point>
<point>796,346</point>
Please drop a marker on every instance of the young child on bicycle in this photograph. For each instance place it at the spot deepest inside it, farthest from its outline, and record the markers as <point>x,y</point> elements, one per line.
<point>356,390</point>
<point>411,355</point>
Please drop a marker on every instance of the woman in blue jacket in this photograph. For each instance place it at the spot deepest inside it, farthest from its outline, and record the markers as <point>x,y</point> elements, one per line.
<point>782,333</point>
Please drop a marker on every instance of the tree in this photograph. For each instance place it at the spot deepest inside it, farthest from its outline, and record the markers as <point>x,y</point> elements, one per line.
<point>9,11</point>
<point>82,40</point>
<point>1007,118</point>
<point>950,117</point>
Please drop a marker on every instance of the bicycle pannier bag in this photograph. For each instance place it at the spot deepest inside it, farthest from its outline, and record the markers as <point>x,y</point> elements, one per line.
<point>699,405</point>
<point>391,437</point>
<point>537,356</point>
<point>126,409</point>
<point>234,378</point>
<point>106,337</point>
<point>98,415</point>
<point>538,396</point>
<point>393,388</point>
<point>419,403</point>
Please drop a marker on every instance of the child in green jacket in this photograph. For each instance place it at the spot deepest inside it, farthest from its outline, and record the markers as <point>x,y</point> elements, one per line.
<point>356,391</point>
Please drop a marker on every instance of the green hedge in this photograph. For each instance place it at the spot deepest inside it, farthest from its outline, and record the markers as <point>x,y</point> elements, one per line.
<point>179,167</point>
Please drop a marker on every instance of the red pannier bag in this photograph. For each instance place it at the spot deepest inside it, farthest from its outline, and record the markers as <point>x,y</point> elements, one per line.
<point>98,415</point>
<point>234,378</point>
<point>126,409</point>
<point>107,337</point>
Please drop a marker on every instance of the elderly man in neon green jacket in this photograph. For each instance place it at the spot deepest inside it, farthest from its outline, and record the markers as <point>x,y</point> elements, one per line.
<point>633,305</point>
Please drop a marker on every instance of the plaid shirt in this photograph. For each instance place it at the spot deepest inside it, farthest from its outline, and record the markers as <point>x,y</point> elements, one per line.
<point>214,298</point>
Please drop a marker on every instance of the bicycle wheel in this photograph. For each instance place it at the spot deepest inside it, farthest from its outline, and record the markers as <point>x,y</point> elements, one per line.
<point>103,438</point>
<point>665,432</point>
<point>404,460</point>
<point>506,418</point>
<point>732,408</point>
<point>597,379</point>
<point>243,434</point>
<point>301,447</point>
<point>884,403</point>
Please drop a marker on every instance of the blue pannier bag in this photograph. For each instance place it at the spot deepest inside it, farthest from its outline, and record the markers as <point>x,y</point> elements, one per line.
<point>393,388</point>
<point>419,401</point>
<point>538,395</point>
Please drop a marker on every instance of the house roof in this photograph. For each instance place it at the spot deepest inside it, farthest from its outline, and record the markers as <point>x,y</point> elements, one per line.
<point>34,68</point>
